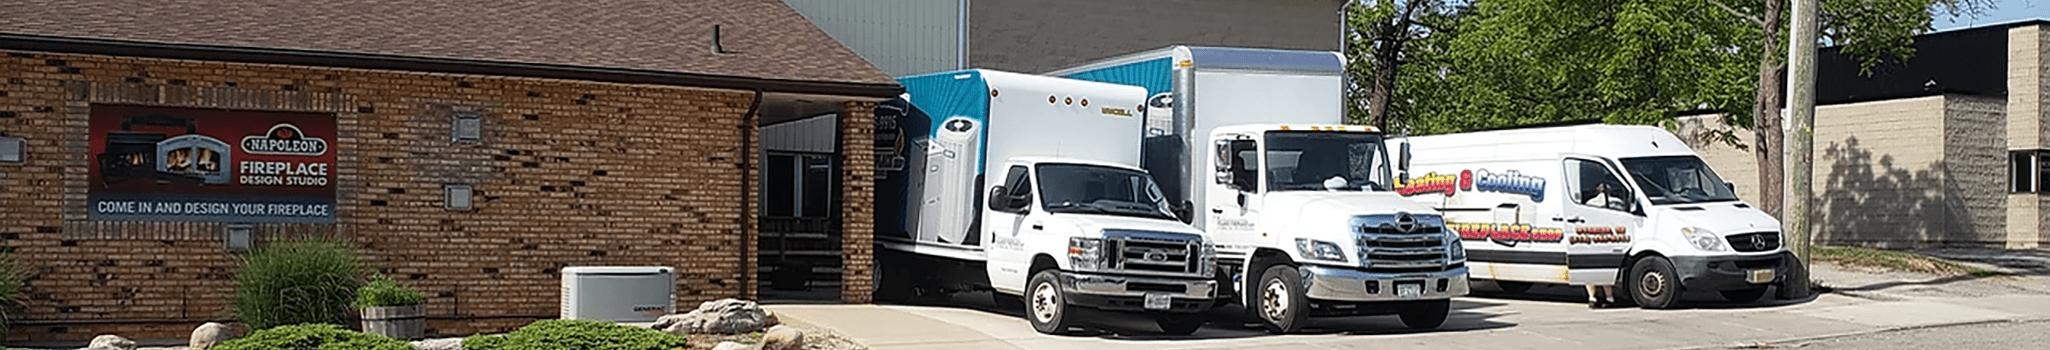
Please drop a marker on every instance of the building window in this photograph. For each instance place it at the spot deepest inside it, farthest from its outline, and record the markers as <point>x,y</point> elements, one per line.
<point>799,185</point>
<point>13,150</point>
<point>2027,169</point>
<point>456,197</point>
<point>467,127</point>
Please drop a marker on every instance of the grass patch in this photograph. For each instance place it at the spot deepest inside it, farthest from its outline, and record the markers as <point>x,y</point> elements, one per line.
<point>1894,261</point>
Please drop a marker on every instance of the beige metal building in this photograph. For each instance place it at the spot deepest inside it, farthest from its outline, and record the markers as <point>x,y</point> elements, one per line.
<point>1947,148</point>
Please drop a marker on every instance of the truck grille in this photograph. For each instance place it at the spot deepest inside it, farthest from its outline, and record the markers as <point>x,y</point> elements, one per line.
<point>1401,243</point>
<point>1755,242</point>
<point>1152,253</point>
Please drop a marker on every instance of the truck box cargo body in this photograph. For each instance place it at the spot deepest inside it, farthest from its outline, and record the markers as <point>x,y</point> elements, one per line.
<point>1030,185</point>
<point>1251,148</point>
<point>1596,204</point>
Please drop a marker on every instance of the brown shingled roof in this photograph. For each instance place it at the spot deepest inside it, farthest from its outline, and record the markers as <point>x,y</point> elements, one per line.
<point>762,39</point>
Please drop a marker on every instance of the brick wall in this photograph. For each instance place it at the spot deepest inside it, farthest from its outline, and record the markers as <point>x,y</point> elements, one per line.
<point>1039,36</point>
<point>568,173</point>
<point>857,202</point>
<point>1975,171</point>
<point>1878,172</point>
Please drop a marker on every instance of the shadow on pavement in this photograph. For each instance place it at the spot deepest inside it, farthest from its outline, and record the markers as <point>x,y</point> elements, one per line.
<point>2025,262</point>
<point>1230,322</point>
<point>1561,293</point>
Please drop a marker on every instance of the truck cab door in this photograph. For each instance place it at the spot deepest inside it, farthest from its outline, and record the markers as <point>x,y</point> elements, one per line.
<point>1601,215</point>
<point>1008,209</point>
<point>1234,196</point>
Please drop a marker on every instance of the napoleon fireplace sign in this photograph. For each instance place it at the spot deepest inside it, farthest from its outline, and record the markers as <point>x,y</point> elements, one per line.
<point>170,164</point>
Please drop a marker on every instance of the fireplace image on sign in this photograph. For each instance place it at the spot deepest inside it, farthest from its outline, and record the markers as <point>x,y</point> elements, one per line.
<point>187,158</point>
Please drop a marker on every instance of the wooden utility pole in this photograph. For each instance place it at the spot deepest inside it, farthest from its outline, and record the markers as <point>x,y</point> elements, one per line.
<point>1800,144</point>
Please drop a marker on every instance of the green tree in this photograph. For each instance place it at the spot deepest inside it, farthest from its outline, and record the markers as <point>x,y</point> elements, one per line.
<point>1521,62</point>
<point>1380,36</point>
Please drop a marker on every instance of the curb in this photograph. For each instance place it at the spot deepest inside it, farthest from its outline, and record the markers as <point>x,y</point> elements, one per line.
<point>1801,340</point>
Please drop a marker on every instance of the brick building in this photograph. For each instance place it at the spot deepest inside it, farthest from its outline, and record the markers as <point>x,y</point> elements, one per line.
<point>1946,148</point>
<point>905,37</point>
<point>471,149</point>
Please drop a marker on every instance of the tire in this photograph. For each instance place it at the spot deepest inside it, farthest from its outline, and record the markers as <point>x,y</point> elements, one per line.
<point>1513,287</point>
<point>1426,314</point>
<point>891,284</point>
<point>1653,285</point>
<point>1045,304</point>
<point>1180,324</point>
<point>1279,301</point>
<point>1744,295</point>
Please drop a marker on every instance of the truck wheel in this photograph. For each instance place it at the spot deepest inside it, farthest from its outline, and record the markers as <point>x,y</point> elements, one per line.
<point>1426,314</point>
<point>1744,295</point>
<point>1653,284</point>
<point>1513,287</point>
<point>891,284</point>
<point>1280,300</point>
<point>1180,324</point>
<point>1045,306</point>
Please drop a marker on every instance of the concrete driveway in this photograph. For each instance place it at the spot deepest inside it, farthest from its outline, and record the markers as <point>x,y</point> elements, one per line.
<point>1545,317</point>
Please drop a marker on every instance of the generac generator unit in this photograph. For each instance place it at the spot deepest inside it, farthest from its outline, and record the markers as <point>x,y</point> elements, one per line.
<point>618,293</point>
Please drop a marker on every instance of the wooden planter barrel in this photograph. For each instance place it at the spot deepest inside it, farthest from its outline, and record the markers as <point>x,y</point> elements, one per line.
<point>399,322</point>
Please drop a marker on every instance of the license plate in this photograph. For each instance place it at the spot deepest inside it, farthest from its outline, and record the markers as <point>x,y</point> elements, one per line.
<point>1159,301</point>
<point>1409,290</point>
<point>1761,276</point>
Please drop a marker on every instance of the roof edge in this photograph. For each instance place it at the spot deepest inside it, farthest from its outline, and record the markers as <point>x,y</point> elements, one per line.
<point>222,53</point>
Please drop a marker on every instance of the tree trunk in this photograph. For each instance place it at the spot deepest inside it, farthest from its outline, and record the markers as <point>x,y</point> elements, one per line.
<point>1765,114</point>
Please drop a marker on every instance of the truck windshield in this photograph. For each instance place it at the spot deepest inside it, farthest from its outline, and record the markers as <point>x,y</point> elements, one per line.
<point>1078,188</point>
<point>1678,180</point>
<point>1326,160</point>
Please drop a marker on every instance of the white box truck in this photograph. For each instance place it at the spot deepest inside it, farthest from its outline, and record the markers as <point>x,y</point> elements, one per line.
<point>1631,206</point>
<point>1251,147</point>
<point>1065,218</point>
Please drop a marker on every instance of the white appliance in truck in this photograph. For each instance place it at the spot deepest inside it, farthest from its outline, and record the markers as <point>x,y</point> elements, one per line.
<point>1030,186</point>
<point>1600,204</point>
<point>1251,147</point>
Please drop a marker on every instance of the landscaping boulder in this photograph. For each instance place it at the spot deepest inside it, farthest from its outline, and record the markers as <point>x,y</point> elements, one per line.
<point>783,338</point>
<point>439,344</point>
<point>724,316</point>
<point>209,334</point>
<point>111,342</point>
<point>731,346</point>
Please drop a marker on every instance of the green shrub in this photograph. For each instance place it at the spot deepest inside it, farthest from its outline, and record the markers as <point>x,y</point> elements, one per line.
<point>312,337</point>
<point>577,335</point>
<point>306,280</point>
<point>11,275</point>
<point>384,291</point>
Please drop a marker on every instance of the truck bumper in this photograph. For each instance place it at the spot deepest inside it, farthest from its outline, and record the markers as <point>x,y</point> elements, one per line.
<point>1347,284</point>
<point>1720,273</point>
<point>1128,293</point>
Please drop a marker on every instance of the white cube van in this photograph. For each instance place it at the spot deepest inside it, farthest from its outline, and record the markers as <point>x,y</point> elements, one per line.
<point>1596,204</point>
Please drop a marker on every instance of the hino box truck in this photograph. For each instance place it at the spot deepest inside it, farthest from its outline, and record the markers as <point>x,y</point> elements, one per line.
<point>1252,148</point>
<point>1030,186</point>
<point>1631,206</point>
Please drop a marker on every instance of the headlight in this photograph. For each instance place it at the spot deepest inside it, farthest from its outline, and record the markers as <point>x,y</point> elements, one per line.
<point>1085,253</point>
<point>1319,250</point>
<point>1458,254</point>
<point>1703,239</point>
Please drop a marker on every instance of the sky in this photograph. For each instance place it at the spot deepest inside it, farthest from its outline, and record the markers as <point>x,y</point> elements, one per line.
<point>2003,11</point>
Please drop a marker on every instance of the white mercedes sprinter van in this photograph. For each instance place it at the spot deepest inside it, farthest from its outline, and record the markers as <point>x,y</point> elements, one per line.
<point>1596,204</point>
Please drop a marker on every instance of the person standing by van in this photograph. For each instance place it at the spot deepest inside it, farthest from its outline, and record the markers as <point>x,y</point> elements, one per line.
<point>1603,295</point>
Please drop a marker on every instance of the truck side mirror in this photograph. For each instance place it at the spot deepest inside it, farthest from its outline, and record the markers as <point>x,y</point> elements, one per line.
<point>1730,185</point>
<point>997,201</point>
<point>1403,164</point>
<point>1245,162</point>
